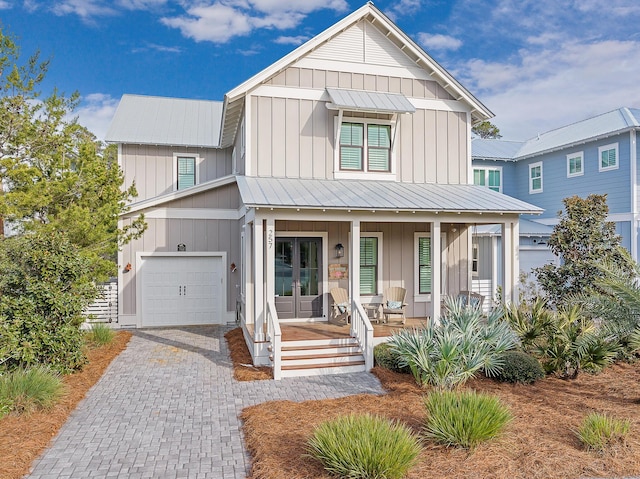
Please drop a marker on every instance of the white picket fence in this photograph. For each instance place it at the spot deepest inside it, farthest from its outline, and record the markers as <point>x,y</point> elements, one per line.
<point>105,307</point>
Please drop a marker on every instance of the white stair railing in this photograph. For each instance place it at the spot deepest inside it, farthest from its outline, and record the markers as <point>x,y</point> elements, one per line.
<point>362,330</point>
<point>274,336</point>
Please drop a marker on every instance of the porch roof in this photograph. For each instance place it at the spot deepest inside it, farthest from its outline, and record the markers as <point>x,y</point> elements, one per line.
<point>376,195</point>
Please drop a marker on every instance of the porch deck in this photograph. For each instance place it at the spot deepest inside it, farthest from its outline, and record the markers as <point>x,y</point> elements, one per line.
<point>309,331</point>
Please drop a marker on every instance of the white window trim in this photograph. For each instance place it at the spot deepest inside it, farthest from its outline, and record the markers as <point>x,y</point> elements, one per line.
<point>531,167</point>
<point>612,146</point>
<point>364,175</point>
<point>378,297</point>
<point>475,250</point>
<point>422,298</point>
<point>580,155</point>
<point>175,167</point>
<point>486,170</point>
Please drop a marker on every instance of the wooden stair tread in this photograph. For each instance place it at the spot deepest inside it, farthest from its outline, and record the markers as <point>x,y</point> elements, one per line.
<point>320,356</point>
<point>321,346</point>
<point>322,365</point>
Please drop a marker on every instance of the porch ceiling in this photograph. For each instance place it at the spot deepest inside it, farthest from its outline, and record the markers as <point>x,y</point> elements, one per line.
<point>376,195</point>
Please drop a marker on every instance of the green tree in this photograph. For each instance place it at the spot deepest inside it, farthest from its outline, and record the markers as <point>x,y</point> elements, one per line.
<point>583,239</point>
<point>485,130</point>
<point>56,176</point>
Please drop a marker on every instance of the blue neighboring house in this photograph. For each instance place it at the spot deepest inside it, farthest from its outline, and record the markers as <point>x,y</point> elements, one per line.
<point>596,155</point>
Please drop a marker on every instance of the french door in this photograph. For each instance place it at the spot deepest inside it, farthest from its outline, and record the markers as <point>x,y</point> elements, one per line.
<point>298,281</point>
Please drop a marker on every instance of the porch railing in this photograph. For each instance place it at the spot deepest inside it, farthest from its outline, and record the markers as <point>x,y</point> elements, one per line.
<point>362,330</point>
<point>274,336</point>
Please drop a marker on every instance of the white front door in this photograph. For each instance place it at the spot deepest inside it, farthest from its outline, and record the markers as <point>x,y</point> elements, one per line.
<point>182,291</point>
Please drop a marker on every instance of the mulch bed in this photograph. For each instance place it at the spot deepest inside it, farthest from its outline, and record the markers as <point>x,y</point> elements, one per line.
<point>539,443</point>
<point>24,437</point>
<point>243,369</point>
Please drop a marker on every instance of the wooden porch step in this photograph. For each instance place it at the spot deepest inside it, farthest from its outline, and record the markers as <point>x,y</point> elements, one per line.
<point>318,346</point>
<point>322,356</point>
<point>323,365</point>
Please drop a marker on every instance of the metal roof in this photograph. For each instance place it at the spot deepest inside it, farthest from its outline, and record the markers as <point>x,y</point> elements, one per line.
<point>360,100</point>
<point>376,195</point>
<point>526,228</point>
<point>166,121</point>
<point>489,149</point>
<point>599,126</point>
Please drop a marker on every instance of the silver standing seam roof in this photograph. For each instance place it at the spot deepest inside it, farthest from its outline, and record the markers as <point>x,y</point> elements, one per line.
<point>360,100</point>
<point>526,228</point>
<point>151,120</point>
<point>376,195</point>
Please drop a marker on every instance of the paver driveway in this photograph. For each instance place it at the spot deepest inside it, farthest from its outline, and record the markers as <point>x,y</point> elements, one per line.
<point>168,407</point>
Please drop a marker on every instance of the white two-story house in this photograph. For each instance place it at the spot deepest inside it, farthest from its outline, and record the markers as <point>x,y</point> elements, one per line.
<point>347,163</point>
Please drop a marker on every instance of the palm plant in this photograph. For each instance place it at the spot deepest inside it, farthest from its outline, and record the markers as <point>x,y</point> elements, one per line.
<point>529,320</point>
<point>447,353</point>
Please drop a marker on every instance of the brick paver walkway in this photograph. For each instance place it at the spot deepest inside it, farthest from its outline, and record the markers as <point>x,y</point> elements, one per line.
<point>168,407</point>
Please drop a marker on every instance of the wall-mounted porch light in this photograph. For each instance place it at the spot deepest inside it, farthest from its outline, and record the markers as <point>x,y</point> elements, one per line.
<point>339,250</point>
<point>182,247</point>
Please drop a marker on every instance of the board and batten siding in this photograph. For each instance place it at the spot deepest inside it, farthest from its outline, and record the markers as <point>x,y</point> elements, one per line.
<point>198,235</point>
<point>151,167</point>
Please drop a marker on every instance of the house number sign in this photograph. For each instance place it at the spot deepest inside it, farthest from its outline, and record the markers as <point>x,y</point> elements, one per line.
<point>270,237</point>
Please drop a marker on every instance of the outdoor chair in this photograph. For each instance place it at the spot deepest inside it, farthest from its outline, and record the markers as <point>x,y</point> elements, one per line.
<point>469,298</point>
<point>341,306</point>
<point>393,302</point>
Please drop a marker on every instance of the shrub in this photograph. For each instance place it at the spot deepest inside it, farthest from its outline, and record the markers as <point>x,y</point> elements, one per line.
<point>464,418</point>
<point>100,334</point>
<point>364,446</point>
<point>386,358</point>
<point>447,353</point>
<point>599,431</point>
<point>24,390</point>
<point>520,367</point>
<point>44,287</point>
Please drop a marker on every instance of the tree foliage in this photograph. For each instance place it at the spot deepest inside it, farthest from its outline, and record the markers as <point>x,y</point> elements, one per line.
<point>486,130</point>
<point>56,176</point>
<point>582,239</point>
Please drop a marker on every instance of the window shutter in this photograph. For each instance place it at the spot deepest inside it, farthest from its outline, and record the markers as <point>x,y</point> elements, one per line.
<point>424,264</point>
<point>186,172</point>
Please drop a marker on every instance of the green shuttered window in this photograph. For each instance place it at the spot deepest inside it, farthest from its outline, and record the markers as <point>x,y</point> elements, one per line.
<point>368,266</point>
<point>424,265</point>
<point>186,172</point>
<point>355,147</point>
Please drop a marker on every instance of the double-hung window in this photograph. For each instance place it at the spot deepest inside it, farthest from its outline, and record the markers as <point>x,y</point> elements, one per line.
<point>424,265</point>
<point>369,263</point>
<point>535,177</point>
<point>575,164</point>
<point>365,146</point>
<point>489,177</point>
<point>608,157</point>
<point>185,168</point>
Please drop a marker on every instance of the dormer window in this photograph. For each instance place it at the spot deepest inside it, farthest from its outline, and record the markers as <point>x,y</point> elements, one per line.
<point>355,147</point>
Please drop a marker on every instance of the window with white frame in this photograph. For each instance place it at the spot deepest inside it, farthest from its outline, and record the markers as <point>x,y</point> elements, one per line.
<point>535,177</point>
<point>575,164</point>
<point>608,157</point>
<point>365,146</point>
<point>424,265</point>
<point>489,177</point>
<point>370,264</point>
<point>475,257</point>
<point>185,171</point>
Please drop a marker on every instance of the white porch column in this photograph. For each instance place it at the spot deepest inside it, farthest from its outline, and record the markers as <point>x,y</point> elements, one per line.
<point>249,277</point>
<point>354,261</point>
<point>507,261</point>
<point>258,289</point>
<point>515,262</point>
<point>436,273</point>
<point>270,259</point>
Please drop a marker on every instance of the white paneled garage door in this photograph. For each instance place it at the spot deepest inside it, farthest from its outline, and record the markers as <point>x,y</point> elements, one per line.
<point>182,290</point>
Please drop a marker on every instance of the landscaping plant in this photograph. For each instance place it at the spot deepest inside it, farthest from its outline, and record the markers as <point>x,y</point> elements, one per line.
<point>447,353</point>
<point>386,358</point>
<point>364,447</point>
<point>520,367</point>
<point>599,431</point>
<point>25,390</point>
<point>100,334</point>
<point>464,418</point>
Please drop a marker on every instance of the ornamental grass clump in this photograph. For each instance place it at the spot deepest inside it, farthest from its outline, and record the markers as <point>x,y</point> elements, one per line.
<point>464,418</point>
<point>100,334</point>
<point>26,390</point>
<point>364,447</point>
<point>599,431</point>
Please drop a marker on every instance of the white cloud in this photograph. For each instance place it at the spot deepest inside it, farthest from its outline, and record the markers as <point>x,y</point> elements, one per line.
<point>437,41</point>
<point>156,47</point>
<point>95,113</point>
<point>141,4</point>
<point>403,8</point>
<point>4,5</point>
<point>542,89</point>
<point>294,40</point>
<point>85,9</point>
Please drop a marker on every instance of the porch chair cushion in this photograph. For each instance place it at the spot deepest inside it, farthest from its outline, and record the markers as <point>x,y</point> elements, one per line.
<point>394,304</point>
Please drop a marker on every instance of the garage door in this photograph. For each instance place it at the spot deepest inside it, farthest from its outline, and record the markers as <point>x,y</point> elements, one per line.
<point>182,291</point>
<point>535,258</point>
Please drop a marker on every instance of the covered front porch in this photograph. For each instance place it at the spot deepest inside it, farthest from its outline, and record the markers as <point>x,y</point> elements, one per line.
<point>296,252</point>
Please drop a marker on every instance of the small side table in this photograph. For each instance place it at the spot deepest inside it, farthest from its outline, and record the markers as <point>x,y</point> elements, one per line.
<point>372,310</point>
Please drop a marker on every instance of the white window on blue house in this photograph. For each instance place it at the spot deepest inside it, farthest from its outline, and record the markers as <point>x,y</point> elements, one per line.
<point>365,152</point>
<point>608,157</point>
<point>535,177</point>
<point>575,164</point>
<point>489,177</point>
<point>185,170</point>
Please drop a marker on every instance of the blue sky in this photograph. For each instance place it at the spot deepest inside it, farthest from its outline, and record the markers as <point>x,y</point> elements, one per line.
<point>537,64</point>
